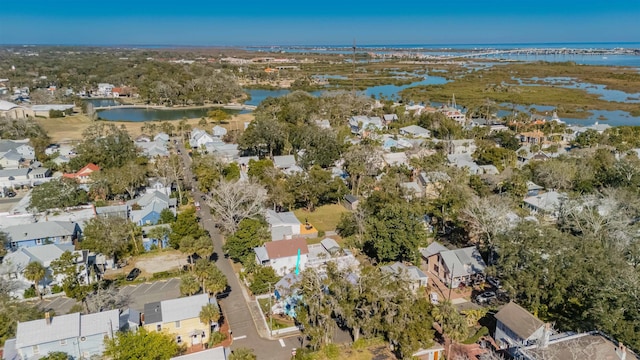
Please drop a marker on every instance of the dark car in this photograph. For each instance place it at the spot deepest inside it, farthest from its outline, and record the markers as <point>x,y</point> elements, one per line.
<point>133,274</point>
<point>10,194</point>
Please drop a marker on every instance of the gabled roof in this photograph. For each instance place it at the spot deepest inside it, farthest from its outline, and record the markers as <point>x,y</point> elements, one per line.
<point>548,201</point>
<point>284,161</point>
<point>329,244</point>
<point>64,327</point>
<point>415,130</point>
<point>350,198</point>
<point>40,230</point>
<point>433,249</point>
<point>276,219</point>
<point>410,271</point>
<point>43,254</point>
<point>286,248</point>
<point>183,308</point>
<point>463,262</point>
<point>14,172</point>
<point>518,320</point>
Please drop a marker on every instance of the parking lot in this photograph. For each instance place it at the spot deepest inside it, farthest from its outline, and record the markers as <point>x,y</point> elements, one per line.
<point>60,305</point>
<point>150,292</point>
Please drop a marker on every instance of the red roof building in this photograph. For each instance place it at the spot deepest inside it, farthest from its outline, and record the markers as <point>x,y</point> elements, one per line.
<point>83,175</point>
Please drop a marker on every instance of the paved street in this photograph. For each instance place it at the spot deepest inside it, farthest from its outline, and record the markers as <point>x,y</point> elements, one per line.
<point>234,305</point>
<point>150,292</point>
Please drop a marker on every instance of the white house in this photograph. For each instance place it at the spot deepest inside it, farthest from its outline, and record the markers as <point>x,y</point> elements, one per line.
<point>283,256</point>
<point>362,124</point>
<point>515,327</point>
<point>219,131</point>
<point>200,138</point>
<point>14,264</point>
<point>415,131</point>
<point>105,89</point>
<point>284,225</point>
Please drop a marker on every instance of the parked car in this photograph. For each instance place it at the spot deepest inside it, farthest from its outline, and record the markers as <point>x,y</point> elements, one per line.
<point>135,272</point>
<point>494,282</point>
<point>485,297</point>
<point>434,298</point>
<point>10,194</point>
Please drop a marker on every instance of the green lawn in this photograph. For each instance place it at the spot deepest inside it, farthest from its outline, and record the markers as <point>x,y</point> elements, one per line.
<point>325,218</point>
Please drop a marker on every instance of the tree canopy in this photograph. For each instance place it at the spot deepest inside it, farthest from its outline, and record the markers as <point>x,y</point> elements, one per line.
<point>142,345</point>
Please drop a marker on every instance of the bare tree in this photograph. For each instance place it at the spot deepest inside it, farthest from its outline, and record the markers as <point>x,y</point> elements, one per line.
<point>106,298</point>
<point>170,170</point>
<point>486,217</point>
<point>232,201</point>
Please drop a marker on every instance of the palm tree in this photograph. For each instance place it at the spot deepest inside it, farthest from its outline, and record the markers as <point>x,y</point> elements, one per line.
<point>213,280</point>
<point>209,314</point>
<point>189,285</point>
<point>35,272</point>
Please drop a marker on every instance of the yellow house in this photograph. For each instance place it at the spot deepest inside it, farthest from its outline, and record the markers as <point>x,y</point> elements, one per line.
<point>180,317</point>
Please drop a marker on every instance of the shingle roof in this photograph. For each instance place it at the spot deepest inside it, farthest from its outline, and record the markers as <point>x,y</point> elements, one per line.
<point>40,230</point>
<point>284,161</point>
<point>286,248</point>
<point>518,320</point>
<point>463,262</point>
<point>13,172</point>
<point>43,254</point>
<point>398,268</point>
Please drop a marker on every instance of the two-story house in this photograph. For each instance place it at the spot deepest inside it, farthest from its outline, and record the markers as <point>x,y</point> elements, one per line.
<point>151,204</point>
<point>453,267</point>
<point>83,175</point>
<point>179,317</point>
<point>80,336</point>
<point>284,225</point>
<point>516,327</point>
<point>283,256</point>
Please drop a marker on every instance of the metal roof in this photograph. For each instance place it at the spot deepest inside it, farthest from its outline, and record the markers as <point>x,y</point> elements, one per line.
<point>40,230</point>
<point>106,322</point>
<point>183,308</point>
<point>519,320</point>
<point>39,332</point>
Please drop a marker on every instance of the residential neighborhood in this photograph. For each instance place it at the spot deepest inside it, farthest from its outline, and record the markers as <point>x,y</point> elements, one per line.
<point>351,225</point>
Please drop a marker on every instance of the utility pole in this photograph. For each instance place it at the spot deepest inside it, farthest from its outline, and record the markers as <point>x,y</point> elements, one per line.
<point>270,313</point>
<point>451,282</point>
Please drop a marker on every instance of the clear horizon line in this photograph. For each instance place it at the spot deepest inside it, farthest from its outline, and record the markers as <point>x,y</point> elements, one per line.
<point>312,45</point>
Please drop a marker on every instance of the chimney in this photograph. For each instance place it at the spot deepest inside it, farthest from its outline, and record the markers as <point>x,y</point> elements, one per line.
<point>621,351</point>
<point>47,318</point>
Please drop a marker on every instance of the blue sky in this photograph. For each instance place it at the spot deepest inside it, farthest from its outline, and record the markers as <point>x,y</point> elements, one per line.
<point>285,22</point>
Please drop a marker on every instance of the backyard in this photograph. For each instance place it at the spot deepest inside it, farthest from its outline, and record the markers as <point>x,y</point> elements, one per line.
<point>324,218</point>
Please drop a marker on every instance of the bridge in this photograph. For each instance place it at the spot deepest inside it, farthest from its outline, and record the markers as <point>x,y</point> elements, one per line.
<point>547,51</point>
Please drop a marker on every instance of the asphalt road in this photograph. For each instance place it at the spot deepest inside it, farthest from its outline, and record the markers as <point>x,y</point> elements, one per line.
<point>234,306</point>
<point>151,292</point>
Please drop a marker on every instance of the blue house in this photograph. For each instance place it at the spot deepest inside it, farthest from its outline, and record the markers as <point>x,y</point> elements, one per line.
<point>41,233</point>
<point>148,241</point>
<point>150,206</point>
<point>80,336</point>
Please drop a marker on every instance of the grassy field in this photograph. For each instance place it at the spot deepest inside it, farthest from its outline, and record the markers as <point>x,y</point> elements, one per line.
<point>325,218</point>
<point>70,128</point>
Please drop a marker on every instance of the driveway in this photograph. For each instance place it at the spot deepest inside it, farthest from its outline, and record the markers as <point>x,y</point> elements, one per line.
<point>151,292</point>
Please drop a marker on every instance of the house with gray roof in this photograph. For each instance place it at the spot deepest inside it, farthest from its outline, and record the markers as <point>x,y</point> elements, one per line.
<point>41,233</point>
<point>454,267</point>
<point>14,264</point>
<point>515,327</point>
<point>80,336</point>
<point>284,162</point>
<point>546,203</point>
<point>151,205</point>
<point>362,125</point>
<point>283,225</point>
<point>415,131</point>
<point>180,317</point>
<point>410,273</point>
<point>21,147</point>
<point>219,131</point>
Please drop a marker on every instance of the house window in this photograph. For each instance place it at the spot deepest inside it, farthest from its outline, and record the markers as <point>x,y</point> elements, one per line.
<point>159,327</point>
<point>63,342</point>
<point>178,324</point>
<point>36,349</point>
<point>179,339</point>
<point>436,268</point>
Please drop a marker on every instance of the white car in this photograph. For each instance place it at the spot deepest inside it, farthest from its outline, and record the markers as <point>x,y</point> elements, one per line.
<point>434,298</point>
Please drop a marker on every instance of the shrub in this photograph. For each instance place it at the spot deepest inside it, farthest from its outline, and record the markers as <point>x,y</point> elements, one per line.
<point>216,338</point>
<point>30,292</point>
<point>56,289</point>
<point>483,331</point>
